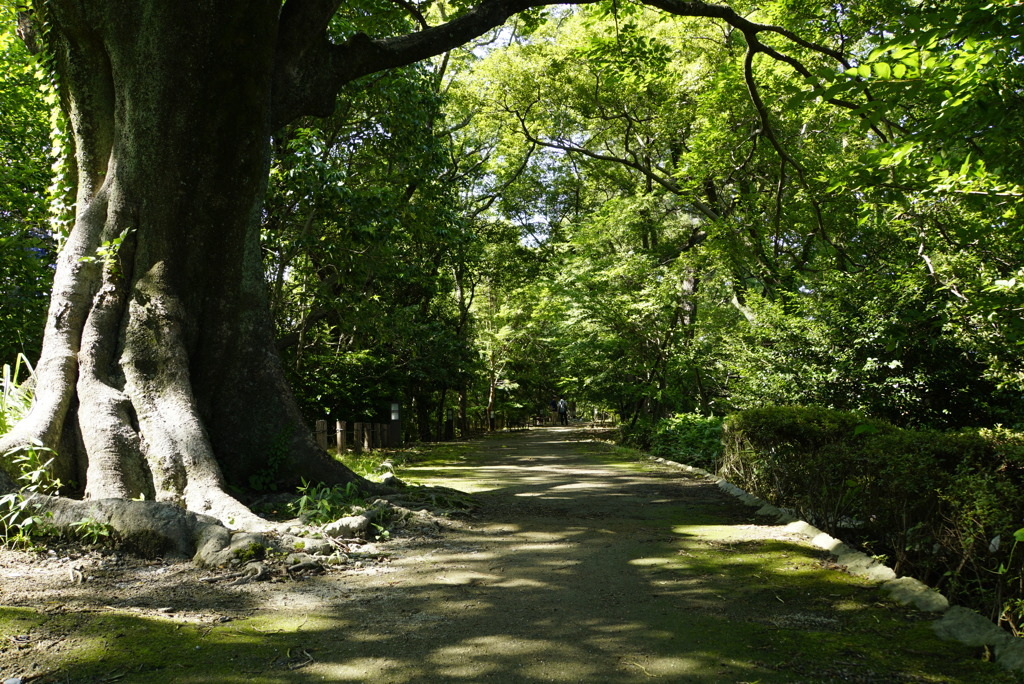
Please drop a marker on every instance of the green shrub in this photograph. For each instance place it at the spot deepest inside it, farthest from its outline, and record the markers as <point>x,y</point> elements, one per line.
<point>690,438</point>
<point>637,434</point>
<point>808,459</point>
<point>947,508</point>
<point>319,503</point>
<point>982,519</point>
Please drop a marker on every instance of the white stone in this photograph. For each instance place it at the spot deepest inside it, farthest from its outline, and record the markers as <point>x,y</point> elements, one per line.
<point>351,526</point>
<point>910,591</point>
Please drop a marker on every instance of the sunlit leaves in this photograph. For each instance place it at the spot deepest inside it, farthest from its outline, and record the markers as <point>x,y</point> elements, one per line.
<point>364,241</point>
<point>26,250</point>
<point>653,119</point>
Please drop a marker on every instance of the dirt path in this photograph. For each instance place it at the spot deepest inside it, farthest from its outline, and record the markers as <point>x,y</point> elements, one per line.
<point>574,568</point>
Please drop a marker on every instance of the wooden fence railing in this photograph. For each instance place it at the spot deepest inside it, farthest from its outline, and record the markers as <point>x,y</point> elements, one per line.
<point>364,436</point>
<point>360,436</point>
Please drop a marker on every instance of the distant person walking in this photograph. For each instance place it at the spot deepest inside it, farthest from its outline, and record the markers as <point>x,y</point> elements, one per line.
<point>563,412</point>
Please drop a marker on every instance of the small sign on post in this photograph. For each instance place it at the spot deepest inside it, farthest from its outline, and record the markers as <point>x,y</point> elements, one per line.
<point>395,426</point>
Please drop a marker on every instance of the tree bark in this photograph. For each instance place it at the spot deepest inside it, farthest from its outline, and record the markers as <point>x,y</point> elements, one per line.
<point>159,355</point>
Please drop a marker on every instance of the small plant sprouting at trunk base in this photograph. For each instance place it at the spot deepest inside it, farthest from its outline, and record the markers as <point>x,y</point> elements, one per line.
<point>318,504</point>
<point>22,516</point>
<point>92,531</point>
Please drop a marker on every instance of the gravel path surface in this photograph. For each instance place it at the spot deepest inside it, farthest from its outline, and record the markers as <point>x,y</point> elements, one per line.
<point>574,567</point>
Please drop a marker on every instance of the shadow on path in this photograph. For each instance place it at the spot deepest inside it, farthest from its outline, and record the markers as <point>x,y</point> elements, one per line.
<point>576,568</point>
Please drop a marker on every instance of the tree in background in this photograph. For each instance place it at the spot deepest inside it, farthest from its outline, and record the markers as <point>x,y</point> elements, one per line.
<point>709,258</point>
<point>364,238</point>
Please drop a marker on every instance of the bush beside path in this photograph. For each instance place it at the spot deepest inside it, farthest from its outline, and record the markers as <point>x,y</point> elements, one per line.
<point>576,565</point>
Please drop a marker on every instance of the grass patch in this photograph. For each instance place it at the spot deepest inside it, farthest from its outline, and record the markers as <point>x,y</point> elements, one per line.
<point>814,622</point>
<point>375,464</point>
<point>616,455</point>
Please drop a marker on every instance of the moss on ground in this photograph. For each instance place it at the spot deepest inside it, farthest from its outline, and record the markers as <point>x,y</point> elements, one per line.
<point>125,646</point>
<point>577,567</point>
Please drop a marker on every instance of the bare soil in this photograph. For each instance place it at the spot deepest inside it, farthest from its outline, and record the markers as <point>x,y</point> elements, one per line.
<point>575,566</point>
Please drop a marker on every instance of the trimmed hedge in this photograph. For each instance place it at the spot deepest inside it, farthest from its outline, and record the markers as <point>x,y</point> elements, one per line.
<point>947,508</point>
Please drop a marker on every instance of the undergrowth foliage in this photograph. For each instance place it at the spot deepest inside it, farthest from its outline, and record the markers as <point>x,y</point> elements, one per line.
<point>947,508</point>
<point>318,504</point>
<point>691,438</point>
<point>21,514</point>
<point>23,519</point>
<point>15,395</point>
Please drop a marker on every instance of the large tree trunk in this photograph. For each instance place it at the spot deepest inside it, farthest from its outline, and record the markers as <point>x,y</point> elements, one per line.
<point>159,375</point>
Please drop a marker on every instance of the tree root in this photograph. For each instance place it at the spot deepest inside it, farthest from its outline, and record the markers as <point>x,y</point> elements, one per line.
<point>253,572</point>
<point>147,528</point>
<point>154,529</point>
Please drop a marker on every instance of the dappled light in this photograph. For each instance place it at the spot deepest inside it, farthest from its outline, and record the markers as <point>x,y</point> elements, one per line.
<point>567,571</point>
<point>261,270</point>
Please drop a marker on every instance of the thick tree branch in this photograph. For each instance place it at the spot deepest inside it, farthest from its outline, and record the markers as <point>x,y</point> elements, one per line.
<point>311,69</point>
<point>302,48</point>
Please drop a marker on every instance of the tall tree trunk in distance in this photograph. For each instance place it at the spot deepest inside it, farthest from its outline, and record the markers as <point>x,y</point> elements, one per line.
<point>423,415</point>
<point>159,362</point>
<point>492,397</point>
<point>463,411</point>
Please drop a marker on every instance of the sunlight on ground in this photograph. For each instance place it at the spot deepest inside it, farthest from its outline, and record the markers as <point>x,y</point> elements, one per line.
<point>725,533</point>
<point>356,670</point>
<point>573,573</point>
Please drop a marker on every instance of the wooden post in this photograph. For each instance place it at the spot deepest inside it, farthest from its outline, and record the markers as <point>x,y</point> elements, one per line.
<point>357,437</point>
<point>341,436</point>
<point>321,434</point>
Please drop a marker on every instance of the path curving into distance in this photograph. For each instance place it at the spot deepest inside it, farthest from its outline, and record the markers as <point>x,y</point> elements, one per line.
<point>578,568</point>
